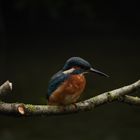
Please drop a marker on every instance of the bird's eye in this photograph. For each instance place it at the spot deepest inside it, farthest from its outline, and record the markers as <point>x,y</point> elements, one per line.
<point>85,67</point>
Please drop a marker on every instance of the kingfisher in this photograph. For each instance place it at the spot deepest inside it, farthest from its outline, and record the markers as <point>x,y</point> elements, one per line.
<point>66,86</point>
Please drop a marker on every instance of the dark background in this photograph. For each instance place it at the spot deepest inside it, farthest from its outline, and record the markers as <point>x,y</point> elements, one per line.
<point>37,37</point>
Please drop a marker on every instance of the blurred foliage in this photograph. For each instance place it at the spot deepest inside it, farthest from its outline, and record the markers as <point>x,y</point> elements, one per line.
<point>56,9</point>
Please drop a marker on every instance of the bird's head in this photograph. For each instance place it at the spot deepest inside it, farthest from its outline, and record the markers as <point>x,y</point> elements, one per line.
<point>77,65</point>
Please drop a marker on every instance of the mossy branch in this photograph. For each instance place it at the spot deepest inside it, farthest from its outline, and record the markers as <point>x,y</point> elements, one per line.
<point>21,109</point>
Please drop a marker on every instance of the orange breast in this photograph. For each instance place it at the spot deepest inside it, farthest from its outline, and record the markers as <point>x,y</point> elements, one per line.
<point>69,92</point>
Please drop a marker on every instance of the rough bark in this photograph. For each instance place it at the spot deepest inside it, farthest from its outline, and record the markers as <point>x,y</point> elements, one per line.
<point>21,109</point>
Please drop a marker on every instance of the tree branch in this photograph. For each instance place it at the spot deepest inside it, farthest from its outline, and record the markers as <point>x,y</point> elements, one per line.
<point>130,100</point>
<point>5,88</point>
<point>33,110</point>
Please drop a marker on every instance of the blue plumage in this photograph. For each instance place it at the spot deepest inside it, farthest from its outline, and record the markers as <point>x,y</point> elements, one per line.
<point>76,61</point>
<point>56,80</point>
<point>73,66</point>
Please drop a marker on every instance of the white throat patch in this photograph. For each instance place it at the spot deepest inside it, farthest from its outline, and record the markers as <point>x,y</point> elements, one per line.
<point>69,71</point>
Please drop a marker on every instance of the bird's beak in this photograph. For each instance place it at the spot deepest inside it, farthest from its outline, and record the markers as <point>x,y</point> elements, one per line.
<point>98,72</point>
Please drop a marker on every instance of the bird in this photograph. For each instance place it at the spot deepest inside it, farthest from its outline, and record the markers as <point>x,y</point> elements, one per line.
<point>66,86</point>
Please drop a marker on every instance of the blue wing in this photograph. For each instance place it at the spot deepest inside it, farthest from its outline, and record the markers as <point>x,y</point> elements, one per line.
<point>56,81</point>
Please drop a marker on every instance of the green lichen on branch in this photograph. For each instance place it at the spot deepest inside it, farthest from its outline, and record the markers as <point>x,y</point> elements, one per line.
<point>31,107</point>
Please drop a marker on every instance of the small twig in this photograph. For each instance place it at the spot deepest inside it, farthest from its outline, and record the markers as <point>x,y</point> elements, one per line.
<point>33,110</point>
<point>130,100</point>
<point>5,88</point>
